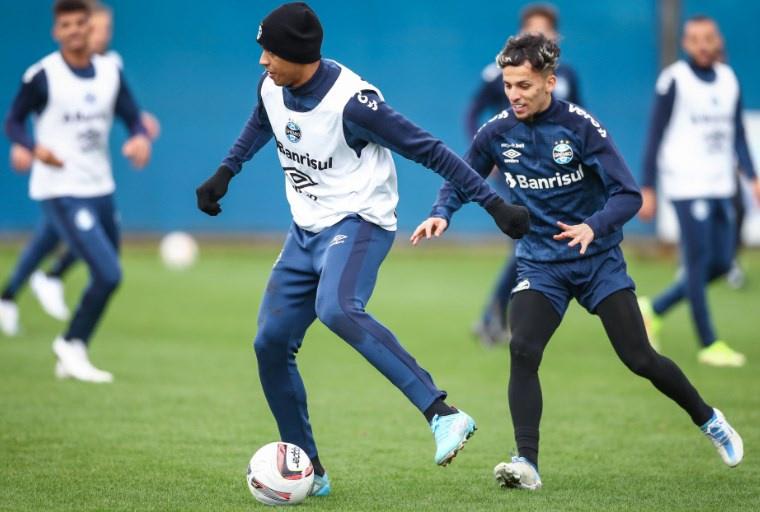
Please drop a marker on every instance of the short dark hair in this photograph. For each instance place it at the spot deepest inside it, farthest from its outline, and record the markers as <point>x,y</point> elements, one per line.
<point>700,18</point>
<point>66,6</point>
<point>547,11</point>
<point>541,52</point>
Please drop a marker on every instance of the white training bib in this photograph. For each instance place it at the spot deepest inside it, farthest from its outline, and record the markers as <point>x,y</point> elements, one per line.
<point>325,180</point>
<point>697,157</point>
<point>75,125</point>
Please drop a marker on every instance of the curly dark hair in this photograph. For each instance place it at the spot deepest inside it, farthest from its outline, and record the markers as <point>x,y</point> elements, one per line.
<point>541,52</point>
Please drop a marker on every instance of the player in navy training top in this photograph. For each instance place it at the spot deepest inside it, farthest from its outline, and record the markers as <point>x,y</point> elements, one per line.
<point>561,164</point>
<point>492,326</point>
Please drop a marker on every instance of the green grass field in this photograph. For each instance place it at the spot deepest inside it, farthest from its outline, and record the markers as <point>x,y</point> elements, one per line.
<point>176,429</point>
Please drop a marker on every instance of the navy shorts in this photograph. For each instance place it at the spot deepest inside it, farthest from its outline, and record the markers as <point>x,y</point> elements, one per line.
<point>589,279</point>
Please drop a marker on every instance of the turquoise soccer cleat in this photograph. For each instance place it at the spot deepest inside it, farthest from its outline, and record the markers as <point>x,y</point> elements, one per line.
<point>451,432</point>
<point>321,485</point>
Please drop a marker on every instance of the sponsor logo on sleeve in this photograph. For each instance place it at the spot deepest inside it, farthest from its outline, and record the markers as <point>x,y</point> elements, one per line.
<point>575,109</point>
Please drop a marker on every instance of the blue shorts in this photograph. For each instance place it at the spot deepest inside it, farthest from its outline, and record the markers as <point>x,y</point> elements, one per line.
<point>589,279</point>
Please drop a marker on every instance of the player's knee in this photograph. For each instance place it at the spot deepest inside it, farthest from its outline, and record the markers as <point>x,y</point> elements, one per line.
<point>641,363</point>
<point>524,353</point>
<point>266,342</point>
<point>332,315</point>
<point>109,279</point>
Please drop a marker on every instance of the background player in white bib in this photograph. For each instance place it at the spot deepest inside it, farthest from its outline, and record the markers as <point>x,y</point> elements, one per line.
<point>74,96</point>
<point>332,134</point>
<point>48,286</point>
<point>696,137</point>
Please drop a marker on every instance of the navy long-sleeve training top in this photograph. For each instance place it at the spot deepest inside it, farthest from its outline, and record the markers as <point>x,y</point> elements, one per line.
<point>563,166</point>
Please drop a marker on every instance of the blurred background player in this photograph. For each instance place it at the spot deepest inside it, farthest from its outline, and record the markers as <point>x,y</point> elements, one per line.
<point>74,96</point>
<point>543,19</point>
<point>47,287</point>
<point>696,137</point>
<point>333,134</point>
<point>580,193</point>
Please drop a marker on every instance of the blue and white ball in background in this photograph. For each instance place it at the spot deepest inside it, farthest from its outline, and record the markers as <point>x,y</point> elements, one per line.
<point>178,250</point>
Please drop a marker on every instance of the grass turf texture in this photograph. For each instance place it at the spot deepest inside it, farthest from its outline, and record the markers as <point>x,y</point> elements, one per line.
<point>176,429</point>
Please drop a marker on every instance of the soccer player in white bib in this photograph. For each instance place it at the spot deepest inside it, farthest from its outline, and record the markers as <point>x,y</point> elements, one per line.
<point>74,96</point>
<point>695,140</point>
<point>333,134</point>
<point>48,286</point>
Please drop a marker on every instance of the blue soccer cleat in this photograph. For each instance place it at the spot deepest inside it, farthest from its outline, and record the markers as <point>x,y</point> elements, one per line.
<point>728,442</point>
<point>321,485</point>
<point>451,432</point>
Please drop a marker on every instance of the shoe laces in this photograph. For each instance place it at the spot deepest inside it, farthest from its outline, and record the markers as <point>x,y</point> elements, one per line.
<point>717,430</point>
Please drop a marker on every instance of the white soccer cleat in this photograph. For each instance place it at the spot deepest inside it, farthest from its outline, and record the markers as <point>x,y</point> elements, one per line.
<point>8,317</point>
<point>49,293</point>
<point>518,474</point>
<point>727,440</point>
<point>74,363</point>
<point>60,372</point>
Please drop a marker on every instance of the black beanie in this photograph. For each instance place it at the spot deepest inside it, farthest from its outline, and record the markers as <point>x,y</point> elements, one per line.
<point>292,32</point>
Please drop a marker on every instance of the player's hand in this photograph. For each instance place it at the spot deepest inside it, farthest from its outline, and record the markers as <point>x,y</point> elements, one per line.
<point>21,157</point>
<point>756,190</point>
<point>137,149</point>
<point>578,234</point>
<point>212,190</point>
<point>434,226</point>
<point>648,204</point>
<point>512,220</point>
<point>151,124</point>
<point>46,156</point>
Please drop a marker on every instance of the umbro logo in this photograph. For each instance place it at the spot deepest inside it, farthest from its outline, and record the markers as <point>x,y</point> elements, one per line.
<point>337,240</point>
<point>522,285</point>
<point>511,154</point>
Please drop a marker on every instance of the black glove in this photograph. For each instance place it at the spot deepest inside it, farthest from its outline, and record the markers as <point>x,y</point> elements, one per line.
<point>512,220</point>
<point>212,190</point>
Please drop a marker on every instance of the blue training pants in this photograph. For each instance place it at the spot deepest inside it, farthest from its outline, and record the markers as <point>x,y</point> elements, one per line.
<point>89,227</point>
<point>708,245</point>
<point>328,275</point>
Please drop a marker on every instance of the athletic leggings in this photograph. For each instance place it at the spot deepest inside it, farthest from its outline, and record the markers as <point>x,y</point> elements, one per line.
<point>534,320</point>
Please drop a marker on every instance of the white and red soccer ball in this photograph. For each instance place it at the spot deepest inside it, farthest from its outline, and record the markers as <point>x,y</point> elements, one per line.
<point>280,474</point>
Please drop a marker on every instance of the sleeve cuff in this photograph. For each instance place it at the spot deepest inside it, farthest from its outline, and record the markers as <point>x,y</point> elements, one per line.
<point>442,213</point>
<point>594,224</point>
<point>232,165</point>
